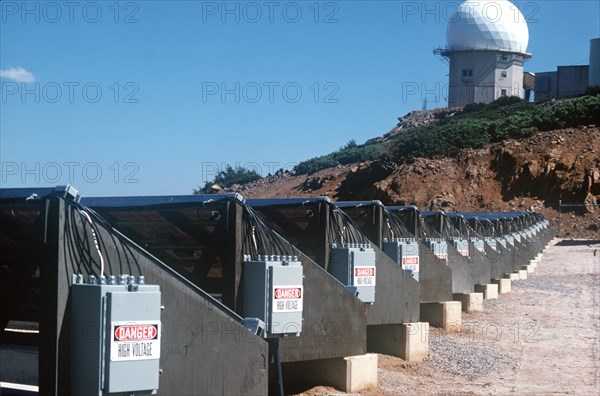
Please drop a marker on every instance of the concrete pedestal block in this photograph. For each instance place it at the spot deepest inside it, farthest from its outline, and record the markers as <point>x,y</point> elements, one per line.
<point>533,263</point>
<point>446,315</point>
<point>513,276</point>
<point>504,285</point>
<point>490,291</point>
<point>530,269</point>
<point>523,274</point>
<point>409,341</point>
<point>348,374</point>
<point>360,373</point>
<point>470,302</point>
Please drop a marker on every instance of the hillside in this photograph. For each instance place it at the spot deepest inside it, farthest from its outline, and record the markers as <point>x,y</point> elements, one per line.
<point>530,173</point>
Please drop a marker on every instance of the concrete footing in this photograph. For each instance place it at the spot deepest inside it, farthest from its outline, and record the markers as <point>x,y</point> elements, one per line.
<point>409,341</point>
<point>504,285</point>
<point>490,291</point>
<point>513,276</point>
<point>529,268</point>
<point>470,302</point>
<point>446,315</point>
<point>348,374</point>
<point>523,274</point>
<point>534,263</point>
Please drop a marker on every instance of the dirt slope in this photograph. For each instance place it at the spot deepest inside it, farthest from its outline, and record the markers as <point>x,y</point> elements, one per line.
<point>529,174</point>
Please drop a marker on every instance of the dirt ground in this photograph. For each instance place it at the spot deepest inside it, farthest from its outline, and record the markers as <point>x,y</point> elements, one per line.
<point>530,174</point>
<point>543,338</point>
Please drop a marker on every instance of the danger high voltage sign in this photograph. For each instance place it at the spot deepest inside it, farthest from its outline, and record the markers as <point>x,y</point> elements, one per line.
<point>138,340</point>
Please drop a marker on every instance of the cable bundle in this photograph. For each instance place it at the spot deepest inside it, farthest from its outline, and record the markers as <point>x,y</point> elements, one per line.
<point>78,246</point>
<point>395,227</point>
<point>261,239</point>
<point>342,229</point>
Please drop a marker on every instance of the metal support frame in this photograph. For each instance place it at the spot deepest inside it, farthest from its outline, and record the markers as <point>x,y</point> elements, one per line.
<point>397,293</point>
<point>201,336</point>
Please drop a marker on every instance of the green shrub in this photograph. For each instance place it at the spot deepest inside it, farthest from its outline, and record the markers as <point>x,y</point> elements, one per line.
<point>229,177</point>
<point>474,127</point>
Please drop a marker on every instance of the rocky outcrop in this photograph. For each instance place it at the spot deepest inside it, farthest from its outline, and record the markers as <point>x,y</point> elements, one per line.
<point>529,174</point>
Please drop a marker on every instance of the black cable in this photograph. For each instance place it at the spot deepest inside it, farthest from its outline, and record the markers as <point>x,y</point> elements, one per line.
<point>261,239</point>
<point>122,249</point>
<point>352,233</point>
<point>79,246</point>
<point>398,228</point>
<point>117,242</point>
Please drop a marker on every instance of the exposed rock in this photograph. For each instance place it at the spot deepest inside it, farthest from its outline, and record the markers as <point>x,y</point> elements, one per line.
<point>529,174</point>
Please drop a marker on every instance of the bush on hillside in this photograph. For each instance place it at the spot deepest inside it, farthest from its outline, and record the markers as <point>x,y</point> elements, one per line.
<point>474,127</point>
<point>228,177</point>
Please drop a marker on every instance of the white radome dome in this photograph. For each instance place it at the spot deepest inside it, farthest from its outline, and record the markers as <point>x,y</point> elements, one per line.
<point>488,25</point>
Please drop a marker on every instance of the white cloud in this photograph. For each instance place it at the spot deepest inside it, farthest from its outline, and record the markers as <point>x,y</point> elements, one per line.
<point>17,74</point>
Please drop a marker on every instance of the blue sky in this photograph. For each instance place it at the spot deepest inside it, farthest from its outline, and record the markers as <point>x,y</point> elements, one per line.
<point>152,97</point>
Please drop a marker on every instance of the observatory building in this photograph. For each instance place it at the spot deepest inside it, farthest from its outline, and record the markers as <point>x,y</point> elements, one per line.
<point>568,81</point>
<point>486,46</point>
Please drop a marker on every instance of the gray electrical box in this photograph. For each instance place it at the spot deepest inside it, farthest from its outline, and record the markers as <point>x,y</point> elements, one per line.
<point>354,265</point>
<point>115,337</point>
<point>510,239</point>
<point>405,252</point>
<point>479,244</point>
<point>274,293</point>
<point>439,248</point>
<point>462,245</point>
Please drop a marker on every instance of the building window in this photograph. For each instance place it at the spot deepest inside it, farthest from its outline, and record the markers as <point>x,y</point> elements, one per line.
<point>467,73</point>
<point>503,92</point>
<point>504,57</point>
<point>503,74</point>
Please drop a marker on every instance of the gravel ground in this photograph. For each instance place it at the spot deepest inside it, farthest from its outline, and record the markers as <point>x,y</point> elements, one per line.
<point>549,283</point>
<point>543,338</point>
<point>465,359</point>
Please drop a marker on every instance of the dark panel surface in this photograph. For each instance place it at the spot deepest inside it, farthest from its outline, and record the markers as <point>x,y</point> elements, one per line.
<point>396,298</point>
<point>435,277</point>
<point>462,272</point>
<point>397,294</point>
<point>519,254</point>
<point>334,320</point>
<point>204,348</point>
<point>499,260</point>
<point>482,273</point>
